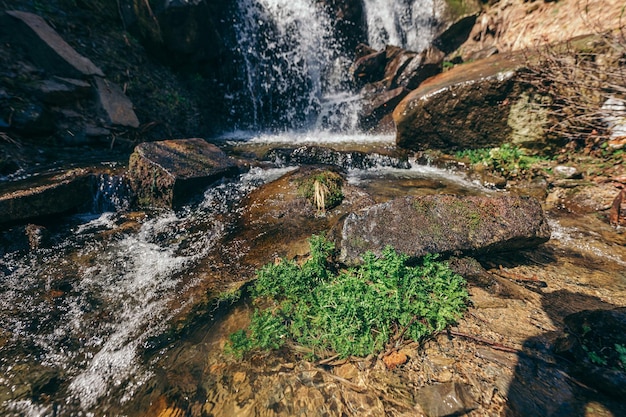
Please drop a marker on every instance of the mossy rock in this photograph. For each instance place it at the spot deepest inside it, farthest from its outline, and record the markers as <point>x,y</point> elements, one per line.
<point>322,189</point>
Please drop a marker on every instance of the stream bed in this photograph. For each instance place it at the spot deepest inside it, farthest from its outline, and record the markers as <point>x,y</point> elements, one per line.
<point>86,319</point>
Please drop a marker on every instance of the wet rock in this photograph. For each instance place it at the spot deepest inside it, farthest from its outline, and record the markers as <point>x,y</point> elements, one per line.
<point>378,105</point>
<point>317,155</point>
<point>451,398</point>
<point>445,224</point>
<point>56,195</point>
<point>116,105</point>
<point>370,67</point>
<point>423,66</point>
<point>396,60</point>
<point>477,105</point>
<point>168,173</point>
<point>595,344</point>
<point>587,198</point>
<point>46,47</point>
<point>278,219</point>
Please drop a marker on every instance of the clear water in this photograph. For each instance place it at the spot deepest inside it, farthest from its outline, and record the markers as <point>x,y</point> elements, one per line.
<point>83,310</point>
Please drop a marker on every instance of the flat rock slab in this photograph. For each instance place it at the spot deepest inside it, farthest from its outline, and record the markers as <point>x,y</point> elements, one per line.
<point>116,105</point>
<point>47,48</point>
<point>445,224</point>
<point>56,195</point>
<point>168,173</point>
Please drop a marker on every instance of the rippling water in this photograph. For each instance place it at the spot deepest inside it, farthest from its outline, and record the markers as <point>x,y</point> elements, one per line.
<point>74,317</point>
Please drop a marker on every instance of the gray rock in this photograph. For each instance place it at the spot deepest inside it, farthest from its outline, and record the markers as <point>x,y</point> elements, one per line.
<point>46,47</point>
<point>61,91</point>
<point>59,194</point>
<point>116,105</point>
<point>445,224</point>
<point>168,173</point>
<point>448,399</point>
<point>566,172</point>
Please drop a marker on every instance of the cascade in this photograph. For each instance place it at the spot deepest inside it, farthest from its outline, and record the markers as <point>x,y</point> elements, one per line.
<point>294,71</point>
<point>409,24</point>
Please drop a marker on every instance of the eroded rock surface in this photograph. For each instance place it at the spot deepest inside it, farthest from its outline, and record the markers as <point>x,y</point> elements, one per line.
<point>445,224</point>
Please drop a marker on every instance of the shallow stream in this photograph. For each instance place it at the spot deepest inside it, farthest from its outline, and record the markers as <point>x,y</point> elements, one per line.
<point>86,320</point>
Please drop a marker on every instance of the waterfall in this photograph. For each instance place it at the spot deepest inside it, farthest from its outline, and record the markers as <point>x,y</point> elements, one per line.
<point>294,72</point>
<point>291,61</point>
<point>409,24</point>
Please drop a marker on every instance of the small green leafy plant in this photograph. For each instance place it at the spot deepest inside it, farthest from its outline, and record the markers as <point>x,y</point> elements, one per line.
<point>350,312</point>
<point>506,159</point>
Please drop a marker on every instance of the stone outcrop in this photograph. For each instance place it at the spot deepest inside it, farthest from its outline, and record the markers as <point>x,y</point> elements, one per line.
<point>445,224</point>
<point>388,75</point>
<point>476,105</point>
<point>67,96</point>
<point>46,47</point>
<point>116,105</point>
<point>59,194</point>
<point>169,173</point>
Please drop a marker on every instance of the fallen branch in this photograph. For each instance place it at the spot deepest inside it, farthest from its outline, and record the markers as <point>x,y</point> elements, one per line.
<point>493,345</point>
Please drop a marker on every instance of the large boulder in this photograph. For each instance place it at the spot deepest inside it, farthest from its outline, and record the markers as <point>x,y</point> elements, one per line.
<point>445,224</point>
<point>168,173</point>
<point>44,197</point>
<point>476,105</point>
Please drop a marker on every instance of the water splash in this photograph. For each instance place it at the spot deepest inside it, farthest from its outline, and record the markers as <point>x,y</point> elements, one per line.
<point>83,310</point>
<point>292,60</point>
<point>409,24</point>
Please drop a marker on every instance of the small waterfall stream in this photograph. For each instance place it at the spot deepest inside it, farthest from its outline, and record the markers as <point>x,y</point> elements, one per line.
<point>409,24</point>
<point>296,73</point>
<point>77,315</point>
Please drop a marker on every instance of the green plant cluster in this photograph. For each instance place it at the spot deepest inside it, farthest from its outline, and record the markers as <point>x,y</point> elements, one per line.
<point>506,159</point>
<point>602,354</point>
<point>351,312</point>
<point>329,183</point>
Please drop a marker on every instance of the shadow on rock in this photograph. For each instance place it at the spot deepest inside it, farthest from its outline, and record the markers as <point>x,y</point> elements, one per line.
<point>550,380</point>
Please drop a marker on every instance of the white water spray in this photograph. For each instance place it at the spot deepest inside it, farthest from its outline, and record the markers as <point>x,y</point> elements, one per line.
<point>409,24</point>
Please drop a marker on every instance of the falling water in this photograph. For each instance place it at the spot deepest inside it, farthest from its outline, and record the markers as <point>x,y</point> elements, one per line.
<point>296,74</point>
<point>409,24</point>
<point>292,61</point>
